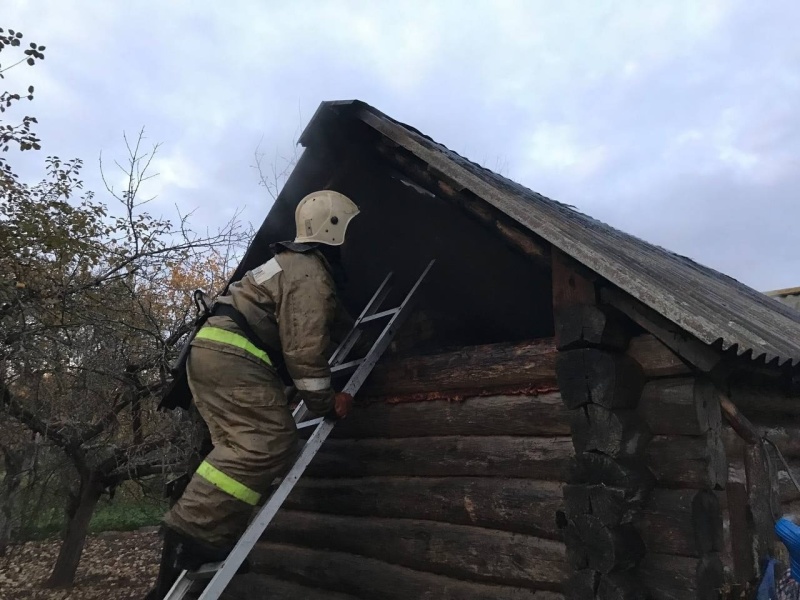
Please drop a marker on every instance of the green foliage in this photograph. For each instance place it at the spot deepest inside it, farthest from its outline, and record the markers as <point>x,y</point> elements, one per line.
<point>115,515</point>
<point>127,516</point>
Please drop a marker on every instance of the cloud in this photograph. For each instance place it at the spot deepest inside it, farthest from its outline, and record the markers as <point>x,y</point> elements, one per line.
<point>674,120</point>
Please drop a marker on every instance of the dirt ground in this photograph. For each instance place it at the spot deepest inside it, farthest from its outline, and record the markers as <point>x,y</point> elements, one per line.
<point>117,565</point>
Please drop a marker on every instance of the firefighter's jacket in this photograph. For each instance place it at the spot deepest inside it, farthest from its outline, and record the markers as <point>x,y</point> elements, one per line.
<point>290,303</point>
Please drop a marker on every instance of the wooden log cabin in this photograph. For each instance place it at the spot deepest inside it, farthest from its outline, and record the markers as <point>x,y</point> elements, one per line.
<point>551,423</point>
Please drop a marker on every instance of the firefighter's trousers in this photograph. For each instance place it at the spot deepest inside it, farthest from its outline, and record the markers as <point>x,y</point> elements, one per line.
<point>254,437</point>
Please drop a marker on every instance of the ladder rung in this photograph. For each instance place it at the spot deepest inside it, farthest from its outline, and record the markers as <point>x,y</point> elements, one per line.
<point>347,367</point>
<point>206,571</point>
<point>378,316</point>
<point>310,423</point>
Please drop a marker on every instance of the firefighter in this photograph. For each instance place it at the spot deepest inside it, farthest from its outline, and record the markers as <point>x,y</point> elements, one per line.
<point>277,318</point>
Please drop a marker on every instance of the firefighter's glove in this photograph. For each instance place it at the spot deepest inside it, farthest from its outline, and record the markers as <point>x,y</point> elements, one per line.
<point>342,404</point>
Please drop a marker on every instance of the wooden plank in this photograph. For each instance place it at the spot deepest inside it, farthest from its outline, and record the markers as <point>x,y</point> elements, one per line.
<point>589,375</point>
<point>679,406</point>
<point>762,499</point>
<point>696,353</point>
<point>517,505</point>
<point>458,551</point>
<point>526,364</point>
<point>655,358</point>
<point>485,456</point>
<point>253,586</point>
<point>489,415</point>
<point>688,462</point>
<point>740,424</point>
<point>370,578</point>
<point>741,533</point>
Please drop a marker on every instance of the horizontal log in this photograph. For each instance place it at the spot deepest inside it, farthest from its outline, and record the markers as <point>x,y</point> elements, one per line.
<point>681,522</point>
<point>688,462</point>
<point>488,415</point>
<point>526,364</point>
<point>656,359</point>
<point>787,438</point>
<point>680,578</point>
<point>679,406</point>
<point>458,551</point>
<point>489,456</point>
<point>370,578</point>
<point>253,585</point>
<point>517,505</point>
<point>590,326</point>
<point>762,403</point>
<point>611,379</point>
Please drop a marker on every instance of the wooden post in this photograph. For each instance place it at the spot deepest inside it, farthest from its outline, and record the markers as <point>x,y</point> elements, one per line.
<point>762,500</point>
<point>601,386</point>
<point>762,487</point>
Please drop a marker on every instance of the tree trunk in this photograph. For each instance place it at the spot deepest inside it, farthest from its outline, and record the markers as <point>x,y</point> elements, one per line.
<point>69,555</point>
<point>8,492</point>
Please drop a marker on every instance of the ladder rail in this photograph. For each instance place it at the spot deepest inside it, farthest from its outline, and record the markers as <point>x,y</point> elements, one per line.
<point>340,354</point>
<point>385,338</point>
<point>370,309</point>
<point>226,570</point>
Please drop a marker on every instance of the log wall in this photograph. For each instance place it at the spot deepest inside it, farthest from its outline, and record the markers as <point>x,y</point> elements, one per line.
<point>642,514</point>
<point>431,490</point>
<point>445,492</point>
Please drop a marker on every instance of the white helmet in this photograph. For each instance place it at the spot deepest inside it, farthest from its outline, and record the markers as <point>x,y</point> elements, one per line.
<point>323,217</point>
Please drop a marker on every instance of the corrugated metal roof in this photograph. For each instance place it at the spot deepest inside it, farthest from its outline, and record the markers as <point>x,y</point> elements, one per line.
<point>713,307</point>
<point>789,297</point>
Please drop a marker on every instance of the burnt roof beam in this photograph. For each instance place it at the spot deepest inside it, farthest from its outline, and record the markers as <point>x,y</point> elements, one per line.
<point>441,186</point>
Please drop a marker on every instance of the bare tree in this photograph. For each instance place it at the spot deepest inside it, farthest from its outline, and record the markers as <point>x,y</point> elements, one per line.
<point>272,177</point>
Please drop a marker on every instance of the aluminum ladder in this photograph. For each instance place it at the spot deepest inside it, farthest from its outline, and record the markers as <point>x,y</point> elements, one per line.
<point>221,573</point>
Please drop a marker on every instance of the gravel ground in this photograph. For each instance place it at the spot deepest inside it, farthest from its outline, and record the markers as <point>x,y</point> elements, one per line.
<point>118,565</point>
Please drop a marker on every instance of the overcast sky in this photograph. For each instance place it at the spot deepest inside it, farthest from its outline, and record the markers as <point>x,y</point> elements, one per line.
<point>676,121</point>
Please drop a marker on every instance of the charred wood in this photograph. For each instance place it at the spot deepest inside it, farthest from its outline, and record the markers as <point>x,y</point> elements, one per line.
<point>371,578</point>
<point>461,552</point>
<point>485,456</point>
<point>518,505</point>
<point>595,376</point>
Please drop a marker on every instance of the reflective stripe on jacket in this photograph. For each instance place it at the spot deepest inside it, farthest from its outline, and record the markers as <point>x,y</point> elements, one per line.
<point>290,303</point>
